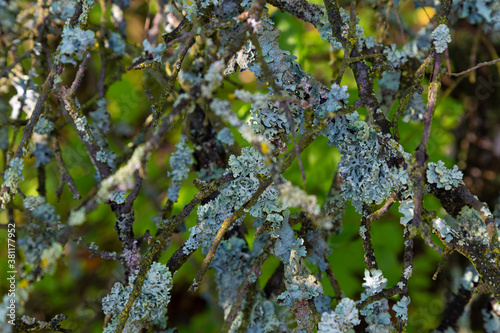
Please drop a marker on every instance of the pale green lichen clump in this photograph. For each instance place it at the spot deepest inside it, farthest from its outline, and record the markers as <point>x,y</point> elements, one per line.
<point>406,208</point>
<point>492,319</point>
<point>344,318</point>
<point>39,245</point>
<point>180,162</point>
<point>301,284</point>
<point>441,37</point>
<point>401,308</point>
<point>76,217</point>
<point>444,230</point>
<point>74,43</point>
<point>149,308</point>
<point>368,177</point>
<point>377,313</point>
<point>12,177</point>
<point>438,174</point>
<point>44,126</point>
<point>225,136</point>
<point>469,225</point>
<point>233,195</point>
<point>119,197</point>
<point>193,7</point>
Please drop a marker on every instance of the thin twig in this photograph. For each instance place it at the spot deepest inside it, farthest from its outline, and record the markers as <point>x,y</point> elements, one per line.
<point>102,74</point>
<point>173,77</point>
<point>384,209</point>
<point>361,71</point>
<point>63,172</point>
<point>399,21</point>
<point>339,294</point>
<point>488,63</point>
<point>364,231</point>
<point>419,75</point>
<point>228,222</point>
<point>421,152</point>
<point>79,74</point>
<point>441,263</point>
<point>386,293</point>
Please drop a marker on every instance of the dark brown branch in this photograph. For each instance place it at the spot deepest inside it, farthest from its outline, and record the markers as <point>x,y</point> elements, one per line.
<point>339,294</point>
<point>79,74</point>
<point>168,37</point>
<point>406,272</point>
<point>364,231</point>
<point>242,290</point>
<point>125,218</point>
<point>54,325</point>
<point>386,293</point>
<point>301,9</point>
<point>479,254</point>
<point>454,309</point>
<point>173,77</point>
<point>94,253</point>
<point>421,152</point>
<point>42,191</point>
<point>360,69</point>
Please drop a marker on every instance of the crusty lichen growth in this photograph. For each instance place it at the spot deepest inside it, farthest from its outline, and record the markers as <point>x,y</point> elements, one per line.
<point>441,37</point>
<point>149,308</point>
<point>438,174</point>
<point>12,177</point>
<point>180,163</point>
<point>343,319</point>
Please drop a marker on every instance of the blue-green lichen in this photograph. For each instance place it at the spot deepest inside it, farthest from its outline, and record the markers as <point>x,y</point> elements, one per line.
<point>225,136</point>
<point>415,108</point>
<point>154,52</point>
<point>438,174</point>
<point>401,308</point>
<point>149,308</point>
<point>343,319</point>
<point>44,126</point>
<point>376,314</point>
<point>180,163</point>
<point>12,177</point>
<point>445,231</point>
<point>441,37</point>
<point>74,44</point>
<point>364,167</point>
<point>119,197</point>
<point>43,154</point>
<point>406,208</point>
